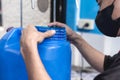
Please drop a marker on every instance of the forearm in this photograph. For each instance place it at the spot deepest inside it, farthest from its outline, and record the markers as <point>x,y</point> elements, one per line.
<point>35,68</point>
<point>29,39</point>
<point>93,56</point>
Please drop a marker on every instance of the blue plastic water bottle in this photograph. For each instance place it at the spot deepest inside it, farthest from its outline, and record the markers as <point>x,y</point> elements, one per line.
<point>55,53</point>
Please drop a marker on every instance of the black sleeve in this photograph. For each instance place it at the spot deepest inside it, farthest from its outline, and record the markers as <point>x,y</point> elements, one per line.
<point>107,62</point>
<point>110,60</point>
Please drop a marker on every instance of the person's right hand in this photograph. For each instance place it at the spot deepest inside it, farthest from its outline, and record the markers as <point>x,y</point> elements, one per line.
<point>30,37</point>
<point>71,35</point>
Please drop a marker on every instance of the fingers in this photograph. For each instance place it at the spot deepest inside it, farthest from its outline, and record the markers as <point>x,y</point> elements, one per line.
<point>49,33</point>
<point>30,34</point>
<point>8,29</point>
<point>58,24</point>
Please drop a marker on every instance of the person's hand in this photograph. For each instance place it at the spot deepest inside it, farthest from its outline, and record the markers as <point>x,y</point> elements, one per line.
<point>30,37</point>
<point>9,28</point>
<point>71,35</point>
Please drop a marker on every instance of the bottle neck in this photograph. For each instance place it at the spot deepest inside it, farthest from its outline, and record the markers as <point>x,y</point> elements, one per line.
<point>59,35</point>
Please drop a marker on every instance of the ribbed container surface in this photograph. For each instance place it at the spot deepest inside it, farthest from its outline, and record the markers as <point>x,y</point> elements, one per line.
<point>55,53</point>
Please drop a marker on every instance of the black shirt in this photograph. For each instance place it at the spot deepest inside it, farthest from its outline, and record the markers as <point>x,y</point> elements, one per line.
<point>111,68</point>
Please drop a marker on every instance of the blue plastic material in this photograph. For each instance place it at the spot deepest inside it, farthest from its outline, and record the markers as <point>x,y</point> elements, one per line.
<point>55,53</point>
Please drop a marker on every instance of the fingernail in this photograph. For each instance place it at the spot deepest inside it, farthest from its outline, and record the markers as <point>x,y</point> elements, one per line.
<point>53,31</point>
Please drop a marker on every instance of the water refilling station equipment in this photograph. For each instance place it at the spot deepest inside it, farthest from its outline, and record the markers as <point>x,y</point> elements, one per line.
<point>56,59</point>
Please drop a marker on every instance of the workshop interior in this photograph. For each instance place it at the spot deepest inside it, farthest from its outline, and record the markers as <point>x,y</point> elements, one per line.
<point>79,15</point>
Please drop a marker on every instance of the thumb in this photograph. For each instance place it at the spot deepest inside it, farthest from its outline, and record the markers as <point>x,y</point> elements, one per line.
<point>49,33</point>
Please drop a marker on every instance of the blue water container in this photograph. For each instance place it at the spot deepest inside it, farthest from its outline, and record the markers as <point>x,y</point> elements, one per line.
<point>55,53</point>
